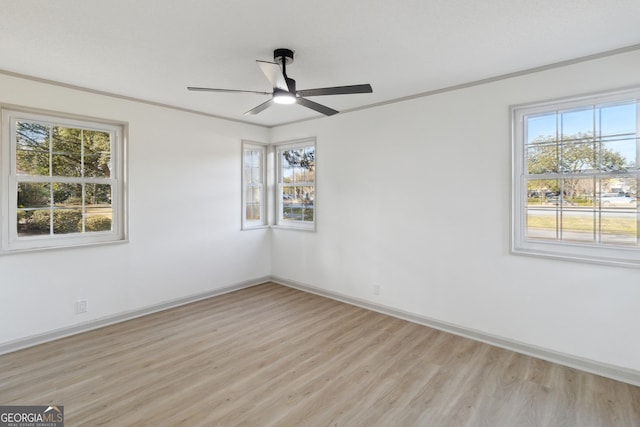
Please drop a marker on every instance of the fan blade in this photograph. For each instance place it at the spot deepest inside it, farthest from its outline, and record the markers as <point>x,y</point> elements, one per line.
<point>317,107</point>
<point>209,89</point>
<point>338,90</point>
<point>259,108</point>
<point>274,74</point>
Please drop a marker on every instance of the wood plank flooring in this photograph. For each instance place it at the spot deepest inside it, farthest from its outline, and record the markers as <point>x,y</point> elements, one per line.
<point>274,356</point>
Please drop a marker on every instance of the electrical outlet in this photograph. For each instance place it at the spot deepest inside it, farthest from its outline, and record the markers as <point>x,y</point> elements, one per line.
<point>376,289</point>
<point>82,306</point>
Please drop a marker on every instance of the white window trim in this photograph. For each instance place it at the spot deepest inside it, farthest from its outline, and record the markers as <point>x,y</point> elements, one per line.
<point>520,245</point>
<point>262,223</point>
<point>10,242</point>
<point>278,205</point>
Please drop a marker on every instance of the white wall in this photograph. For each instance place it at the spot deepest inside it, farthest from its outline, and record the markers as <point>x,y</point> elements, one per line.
<point>415,197</point>
<point>185,238</point>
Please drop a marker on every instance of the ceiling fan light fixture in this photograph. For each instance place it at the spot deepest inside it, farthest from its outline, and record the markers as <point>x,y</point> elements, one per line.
<point>284,87</point>
<point>284,97</point>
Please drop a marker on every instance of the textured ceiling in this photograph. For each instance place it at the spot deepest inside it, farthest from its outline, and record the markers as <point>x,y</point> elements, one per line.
<point>152,49</point>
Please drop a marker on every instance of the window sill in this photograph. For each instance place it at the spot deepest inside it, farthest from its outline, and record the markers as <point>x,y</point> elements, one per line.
<point>311,229</point>
<point>61,247</point>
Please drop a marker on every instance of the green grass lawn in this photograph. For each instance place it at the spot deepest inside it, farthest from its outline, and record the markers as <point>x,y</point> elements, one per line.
<point>626,226</point>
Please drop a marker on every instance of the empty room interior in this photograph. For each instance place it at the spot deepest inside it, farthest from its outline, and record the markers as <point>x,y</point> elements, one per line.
<point>441,229</point>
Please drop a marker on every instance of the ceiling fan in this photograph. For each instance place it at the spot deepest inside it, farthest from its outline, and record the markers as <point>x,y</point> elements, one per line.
<point>284,87</point>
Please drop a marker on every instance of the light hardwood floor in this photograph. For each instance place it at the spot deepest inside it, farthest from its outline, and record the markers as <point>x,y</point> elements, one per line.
<point>273,356</point>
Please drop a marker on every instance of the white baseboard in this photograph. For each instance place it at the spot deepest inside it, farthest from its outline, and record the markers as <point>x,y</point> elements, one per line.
<point>617,373</point>
<point>30,341</point>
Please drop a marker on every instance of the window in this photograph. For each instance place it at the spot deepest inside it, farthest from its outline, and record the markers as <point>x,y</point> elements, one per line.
<point>296,176</point>
<point>576,178</point>
<point>62,181</point>
<point>253,191</point>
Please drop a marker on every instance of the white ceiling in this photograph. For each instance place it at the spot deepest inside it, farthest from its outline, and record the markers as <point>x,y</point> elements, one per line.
<point>153,49</point>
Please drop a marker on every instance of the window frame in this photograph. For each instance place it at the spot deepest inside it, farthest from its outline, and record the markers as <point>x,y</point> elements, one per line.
<point>280,222</point>
<point>609,254</point>
<point>9,179</point>
<point>247,224</point>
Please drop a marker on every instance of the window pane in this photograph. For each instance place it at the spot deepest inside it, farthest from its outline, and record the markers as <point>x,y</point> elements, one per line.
<point>35,222</point>
<point>308,213</point>
<point>97,153</point>
<point>578,156</point>
<point>618,120</point>
<point>542,157</point>
<point>579,192</point>
<point>541,209</point>
<point>577,123</point>
<point>309,164</point>
<point>67,195</point>
<point>619,136</point>
<point>256,160</point>
<point>98,207</point>
<point>285,159</point>
<point>541,128</point>
<point>33,195</point>
<point>619,227</point>
<point>256,175</point>
<point>287,175</point>
<point>288,211</point>
<point>294,212</point>
<point>288,194</point>
<point>256,196</point>
<point>308,195</point>
<point>542,190</point>
<point>253,167</point>
<point>298,175</point>
<point>310,174</point>
<point>66,158</point>
<point>619,191</point>
<point>578,225</point>
<point>253,203</point>
<point>287,167</point>
<point>32,219</point>
<point>577,204</point>
<point>66,165</point>
<point>98,198</point>
<point>253,213</point>
<point>298,165</point>
<point>67,212</point>
<point>98,195</point>
<point>32,149</point>
<point>291,204</point>
<point>617,154</point>
<point>246,174</point>
<point>67,221</point>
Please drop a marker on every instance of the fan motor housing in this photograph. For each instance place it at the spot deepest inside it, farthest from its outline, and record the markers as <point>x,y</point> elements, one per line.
<point>285,55</point>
